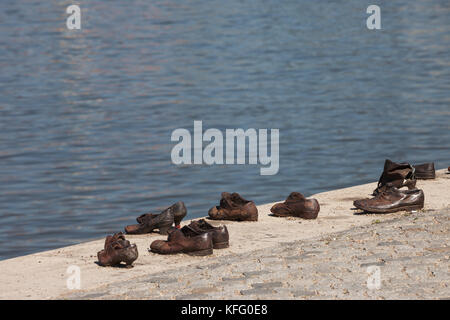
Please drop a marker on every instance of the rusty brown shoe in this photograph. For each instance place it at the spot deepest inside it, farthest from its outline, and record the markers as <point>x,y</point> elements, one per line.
<point>425,171</point>
<point>177,242</point>
<point>234,207</point>
<point>163,221</point>
<point>399,174</point>
<point>392,200</point>
<point>296,205</point>
<point>178,209</point>
<point>220,236</point>
<point>117,249</point>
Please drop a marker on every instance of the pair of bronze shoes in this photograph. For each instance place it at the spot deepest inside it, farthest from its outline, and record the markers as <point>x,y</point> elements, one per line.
<point>199,238</point>
<point>162,221</point>
<point>388,196</point>
<point>117,250</point>
<point>404,175</point>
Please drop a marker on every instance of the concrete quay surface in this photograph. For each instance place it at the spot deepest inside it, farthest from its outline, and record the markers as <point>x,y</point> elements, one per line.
<point>400,255</point>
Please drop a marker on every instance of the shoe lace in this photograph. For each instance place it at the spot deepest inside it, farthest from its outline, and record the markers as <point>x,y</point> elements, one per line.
<point>388,191</point>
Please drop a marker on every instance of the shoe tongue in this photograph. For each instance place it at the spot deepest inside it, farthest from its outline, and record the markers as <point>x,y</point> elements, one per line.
<point>229,200</point>
<point>117,237</point>
<point>390,188</point>
<point>197,226</point>
<point>190,230</point>
<point>226,203</point>
<point>174,233</point>
<point>203,224</point>
<point>122,244</point>
<point>235,197</point>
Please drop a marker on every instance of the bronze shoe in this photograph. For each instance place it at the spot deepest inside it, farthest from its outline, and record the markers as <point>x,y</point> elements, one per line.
<point>179,212</point>
<point>425,171</point>
<point>220,236</point>
<point>177,242</point>
<point>163,221</point>
<point>399,174</point>
<point>296,205</point>
<point>392,200</point>
<point>117,249</point>
<point>234,207</point>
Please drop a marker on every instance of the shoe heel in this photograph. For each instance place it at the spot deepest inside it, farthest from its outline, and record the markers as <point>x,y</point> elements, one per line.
<point>204,252</point>
<point>426,177</point>
<point>163,230</point>
<point>221,245</point>
<point>180,213</point>
<point>177,220</point>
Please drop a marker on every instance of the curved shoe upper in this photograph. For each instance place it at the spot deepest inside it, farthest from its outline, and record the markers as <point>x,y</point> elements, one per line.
<point>177,242</point>
<point>296,205</point>
<point>148,222</point>
<point>234,207</point>
<point>144,218</point>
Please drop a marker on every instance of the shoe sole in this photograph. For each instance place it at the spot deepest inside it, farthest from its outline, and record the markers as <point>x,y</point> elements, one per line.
<point>231,219</point>
<point>282,215</point>
<point>221,245</point>
<point>403,208</point>
<point>426,177</point>
<point>193,253</point>
<point>204,252</point>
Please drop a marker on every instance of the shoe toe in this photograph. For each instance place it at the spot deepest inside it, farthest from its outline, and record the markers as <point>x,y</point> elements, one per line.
<point>280,209</point>
<point>213,213</point>
<point>157,245</point>
<point>103,258</point>
<point>132,229</point>
<point>358,203</point>
<point>362,204</point>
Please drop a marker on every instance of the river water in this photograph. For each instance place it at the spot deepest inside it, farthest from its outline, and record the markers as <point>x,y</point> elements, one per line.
<point>86,115</point>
